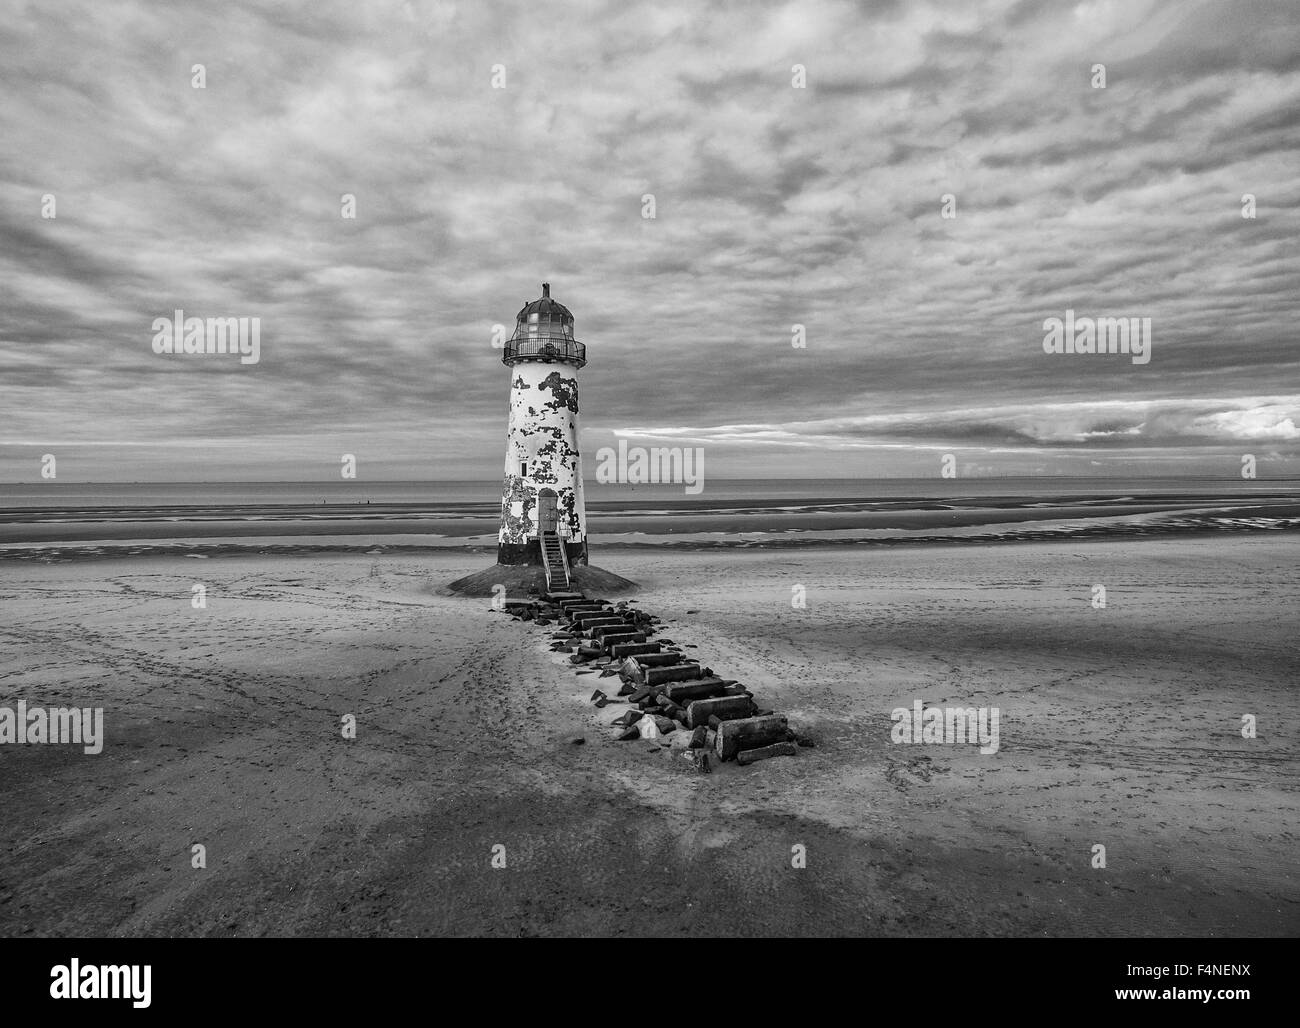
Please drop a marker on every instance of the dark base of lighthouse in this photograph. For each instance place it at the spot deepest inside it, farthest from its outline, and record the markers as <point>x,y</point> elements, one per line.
<point>523,580</point>
<point>531,553</point>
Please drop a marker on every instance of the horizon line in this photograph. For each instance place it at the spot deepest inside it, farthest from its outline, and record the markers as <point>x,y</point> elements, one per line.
<point>770,478</point>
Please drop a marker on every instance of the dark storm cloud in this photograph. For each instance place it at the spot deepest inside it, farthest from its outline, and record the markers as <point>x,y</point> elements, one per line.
<point>776,207</point>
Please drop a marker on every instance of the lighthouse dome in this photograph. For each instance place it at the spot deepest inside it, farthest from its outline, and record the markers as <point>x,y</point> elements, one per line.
<point>545,308</point>
<point>544,332</point>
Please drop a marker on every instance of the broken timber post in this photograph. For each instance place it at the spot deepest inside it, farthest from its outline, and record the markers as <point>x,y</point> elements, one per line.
<point>583,624</point>
<point>776,749</point>
<point>613,628</point>
<point>660,659</point>
<point>672,673</point>
<point>749,733</point>
<point>727,708</point>
<point>633,669</point>
<point>622,650</point>
<point>697,689</point>
<point>607,641</point>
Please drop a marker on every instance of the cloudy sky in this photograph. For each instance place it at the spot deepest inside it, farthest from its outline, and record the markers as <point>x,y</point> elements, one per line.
<point>774,206</point>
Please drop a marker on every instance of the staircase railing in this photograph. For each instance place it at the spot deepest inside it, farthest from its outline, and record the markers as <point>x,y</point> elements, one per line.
<point>546,561</point>
<point>545,540</point>
<point>564,558</point>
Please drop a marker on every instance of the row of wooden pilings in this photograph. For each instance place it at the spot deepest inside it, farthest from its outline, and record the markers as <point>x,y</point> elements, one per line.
<point>673,700</point>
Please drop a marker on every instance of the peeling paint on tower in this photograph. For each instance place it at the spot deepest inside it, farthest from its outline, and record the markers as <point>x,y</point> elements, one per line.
<point>543,472</point>
<point>564,389</point>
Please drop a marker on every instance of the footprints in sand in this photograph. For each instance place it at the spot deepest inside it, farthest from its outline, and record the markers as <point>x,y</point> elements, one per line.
<point>911,771</point>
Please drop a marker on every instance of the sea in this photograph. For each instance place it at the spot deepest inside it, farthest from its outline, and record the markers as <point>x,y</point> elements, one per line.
<point>434,494</point>
<point>55,519</point>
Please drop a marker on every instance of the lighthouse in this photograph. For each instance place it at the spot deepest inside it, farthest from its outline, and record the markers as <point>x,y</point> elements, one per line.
<point>543,520</point>
<point>542,544</point>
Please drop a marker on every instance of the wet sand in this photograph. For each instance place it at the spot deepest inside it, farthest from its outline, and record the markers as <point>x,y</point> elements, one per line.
<point>1119,727</point>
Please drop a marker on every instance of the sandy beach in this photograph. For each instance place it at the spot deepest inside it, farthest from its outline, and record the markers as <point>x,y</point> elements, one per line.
<point>1119,726</point>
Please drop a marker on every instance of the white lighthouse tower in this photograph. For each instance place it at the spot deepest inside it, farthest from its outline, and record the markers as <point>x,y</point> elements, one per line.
<point>543,520</point>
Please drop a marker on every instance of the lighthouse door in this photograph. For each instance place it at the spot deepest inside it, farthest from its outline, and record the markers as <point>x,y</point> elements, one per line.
<point>547,513</point>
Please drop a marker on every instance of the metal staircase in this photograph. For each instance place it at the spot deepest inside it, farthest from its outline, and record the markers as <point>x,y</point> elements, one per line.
<point>555,561</point>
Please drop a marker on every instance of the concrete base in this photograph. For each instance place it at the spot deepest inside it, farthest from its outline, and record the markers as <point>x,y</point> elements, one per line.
<point>522,580</point>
